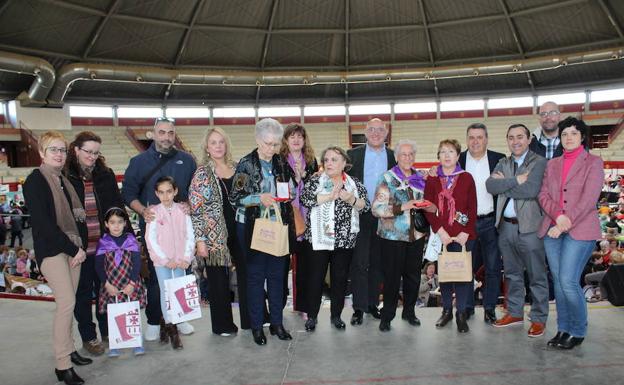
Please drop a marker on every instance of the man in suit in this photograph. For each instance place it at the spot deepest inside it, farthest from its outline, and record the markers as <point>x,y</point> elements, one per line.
<point>369,162</point>
<point>545,140</point>
<point>517,181</point>
<point>480,163</point>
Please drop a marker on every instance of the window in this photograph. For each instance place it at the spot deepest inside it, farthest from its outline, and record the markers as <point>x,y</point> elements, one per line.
<point>335,110</point>
<point>369,109</point>
<point>139,112</point>
<point>462,105</point>
<point>607,95</point>
<point>569,98</point>
<point>234,112</point>
<point>188,112</point>
<point>272,112</point>
<point>522,101</point>
<point>90,112</point>
<point>415,107</point>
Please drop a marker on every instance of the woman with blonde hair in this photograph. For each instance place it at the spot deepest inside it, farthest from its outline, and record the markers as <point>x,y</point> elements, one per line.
<point>58,219</point>
<point>215,231</point>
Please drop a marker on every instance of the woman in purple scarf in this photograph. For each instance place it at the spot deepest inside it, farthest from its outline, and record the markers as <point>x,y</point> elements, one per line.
<point>296,150</point>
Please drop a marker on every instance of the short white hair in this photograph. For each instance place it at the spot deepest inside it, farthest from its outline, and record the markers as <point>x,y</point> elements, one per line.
<point>269,126</point>
<point>404,142</point>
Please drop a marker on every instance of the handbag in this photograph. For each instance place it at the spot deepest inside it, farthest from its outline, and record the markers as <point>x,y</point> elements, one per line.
<point>124,325</point>
<point>300,225</point>
<point>455,266</point>
<point>182,296</point>
<point>421,224</point>
<point>270,236</point>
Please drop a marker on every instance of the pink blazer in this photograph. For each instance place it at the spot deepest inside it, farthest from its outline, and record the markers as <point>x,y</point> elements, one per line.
<point>581,192</point>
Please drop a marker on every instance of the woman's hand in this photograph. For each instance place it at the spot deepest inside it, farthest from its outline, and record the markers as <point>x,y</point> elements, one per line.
<point>554,232</point>
<point>446,239</point>
<point>78,258</point>
<point>563,223</point>
<point>461,238</point>
<point>110,289</point>
<point>128,289</point>
<point>183,265</point>
<point>266,199</point>
<point>411,204</point>
<point>202,249</point>
<point>186,208</point>
<point>171,265</point>
<point>346,196</point>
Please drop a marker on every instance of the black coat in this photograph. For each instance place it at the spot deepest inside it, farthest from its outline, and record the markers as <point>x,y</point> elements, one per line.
<point>357,156</point>
<point>537,147</point>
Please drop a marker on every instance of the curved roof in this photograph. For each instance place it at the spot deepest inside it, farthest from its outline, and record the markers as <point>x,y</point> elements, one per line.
<point>317,36</point>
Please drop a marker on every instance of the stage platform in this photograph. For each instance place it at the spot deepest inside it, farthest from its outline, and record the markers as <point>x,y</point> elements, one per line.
<point>359,355</point>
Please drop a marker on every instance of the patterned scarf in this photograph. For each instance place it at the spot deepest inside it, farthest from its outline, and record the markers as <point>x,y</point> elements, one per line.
<point>107,244</point>
<point>415,180</point>
<point>448,183</point>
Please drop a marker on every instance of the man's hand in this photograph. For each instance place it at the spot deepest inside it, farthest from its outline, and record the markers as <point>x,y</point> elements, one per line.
<point>148,214</point>
<point>521,178</point>
<point>497,175</point>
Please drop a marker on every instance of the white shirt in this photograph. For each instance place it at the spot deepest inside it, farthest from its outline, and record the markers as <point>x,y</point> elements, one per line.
<point>510,209</point>
<point>480,171</point>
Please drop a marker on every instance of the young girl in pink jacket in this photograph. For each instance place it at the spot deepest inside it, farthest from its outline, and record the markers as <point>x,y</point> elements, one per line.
<point>171,243</point>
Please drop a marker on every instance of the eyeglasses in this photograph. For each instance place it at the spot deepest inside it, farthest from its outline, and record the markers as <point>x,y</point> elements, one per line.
<point>271,145</point>
<point>92,153</point>
<point>378,130</point>
<point>57,150</point>
<point>549,113</point>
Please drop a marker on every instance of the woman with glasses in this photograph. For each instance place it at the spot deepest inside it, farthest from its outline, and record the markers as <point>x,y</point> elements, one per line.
<point>97,189</point>
<point>58,221</point>
<point>261,177</point>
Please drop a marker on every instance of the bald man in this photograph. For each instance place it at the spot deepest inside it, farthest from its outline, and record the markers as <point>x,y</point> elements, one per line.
<point>545,139</point>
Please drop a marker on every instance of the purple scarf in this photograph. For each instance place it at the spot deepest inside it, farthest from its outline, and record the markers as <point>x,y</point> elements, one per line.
<point>108,244</point>
<point>295,202</point>
<point>450,178</point>
<point>415,180</point>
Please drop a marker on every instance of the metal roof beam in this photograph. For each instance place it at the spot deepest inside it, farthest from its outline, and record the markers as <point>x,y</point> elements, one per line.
<point>4,6</point>
<point>421,5</point>
<point>100,27</point>
<point>198,7</point>
<point>516,37</point>
<point>267,41</point>
<point>347,37</point>
<point>606,8</point>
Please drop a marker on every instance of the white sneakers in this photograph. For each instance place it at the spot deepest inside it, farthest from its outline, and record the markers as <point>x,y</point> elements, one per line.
<point>185,328</point>
<point>152,332</point>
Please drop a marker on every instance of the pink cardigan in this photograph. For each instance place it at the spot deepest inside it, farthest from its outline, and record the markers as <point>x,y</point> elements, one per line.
<point>581,192</point>
<point>170,236</point>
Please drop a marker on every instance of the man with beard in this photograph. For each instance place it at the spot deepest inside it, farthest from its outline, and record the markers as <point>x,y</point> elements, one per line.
<point>545,140</point>
<point>160,159</point>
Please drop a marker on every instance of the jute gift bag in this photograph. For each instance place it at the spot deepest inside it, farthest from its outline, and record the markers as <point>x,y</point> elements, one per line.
<point>270,236</point>
<point>455,266</point>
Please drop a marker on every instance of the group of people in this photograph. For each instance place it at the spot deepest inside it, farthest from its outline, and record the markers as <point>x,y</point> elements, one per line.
<point>339,214</point>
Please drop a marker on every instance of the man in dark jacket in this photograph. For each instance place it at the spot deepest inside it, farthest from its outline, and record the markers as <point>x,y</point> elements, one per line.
<point>160,159</point>
<point>369,162</point>
<point>480,163</point>
<point>545,139</point>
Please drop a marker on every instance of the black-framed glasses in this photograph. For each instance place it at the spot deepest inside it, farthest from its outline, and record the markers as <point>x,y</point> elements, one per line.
<point>549,113</point>
<point>92,153</point>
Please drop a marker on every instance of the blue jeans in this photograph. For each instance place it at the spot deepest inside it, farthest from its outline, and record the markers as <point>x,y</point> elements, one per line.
<point>164,273</point>
<point>567,258</point>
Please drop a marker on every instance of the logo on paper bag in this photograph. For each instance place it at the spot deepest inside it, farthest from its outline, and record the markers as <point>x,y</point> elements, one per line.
<point>267,234</point>
<point>188,298</point>
<point>129,326</point>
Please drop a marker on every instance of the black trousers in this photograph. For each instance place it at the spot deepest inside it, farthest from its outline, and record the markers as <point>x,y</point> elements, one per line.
<point>153,311</point>
<point>339,261</point>
<point>366,274</point>
<point>220,300</point>
<point>87,290</point>
<point>301,276</point>
<point>19,235</point>
<point>401,260</point>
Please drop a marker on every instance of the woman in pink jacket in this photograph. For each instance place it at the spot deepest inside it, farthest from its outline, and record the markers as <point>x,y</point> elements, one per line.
<point>171,244</point>
<point>569,193</point>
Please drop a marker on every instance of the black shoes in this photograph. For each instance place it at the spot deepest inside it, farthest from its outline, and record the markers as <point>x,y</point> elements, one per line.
<point>462,322</point>
<point>338,323</point>
<point>79,360</point>
<point>384,326</point>
<point>446,317</point>
<point>558,337</point>
<point>357,317</point>
<point>258,336</point>
<point>282,334</point>
<point>411,319</point>
<point>372,310</point>
<point>489,316</point>
<point>569,342</point>
<point>68,376</point>
<point>310,324</point>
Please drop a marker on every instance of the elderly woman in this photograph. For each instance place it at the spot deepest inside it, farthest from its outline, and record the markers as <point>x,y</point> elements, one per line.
<point>97,189</point>
<point>402,228</point>
<point>57,217</point>
<point>298,153</point>
<point>334,201</point>
<point>455,195</point>
<point>258,176</point>
<point>213,222</point>
<point>570,190</point>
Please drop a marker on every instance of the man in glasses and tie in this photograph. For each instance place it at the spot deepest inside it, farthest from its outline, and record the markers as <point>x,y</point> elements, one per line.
<point>545,140</point>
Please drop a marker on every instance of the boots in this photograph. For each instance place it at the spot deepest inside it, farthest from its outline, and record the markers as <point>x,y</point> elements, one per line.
<point>462,324</point>
<point>164,337</point>
<point>446,317</point>
<point>176,342</point>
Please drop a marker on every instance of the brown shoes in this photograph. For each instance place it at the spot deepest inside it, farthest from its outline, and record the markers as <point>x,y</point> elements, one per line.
<point>536,329</point>
<point>164,336</point>
<point>174,336</point>
<point>94,347</point>
<point>508,320</point>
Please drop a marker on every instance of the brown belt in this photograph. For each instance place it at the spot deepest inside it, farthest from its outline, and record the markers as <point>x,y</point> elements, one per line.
<point>511,220</point>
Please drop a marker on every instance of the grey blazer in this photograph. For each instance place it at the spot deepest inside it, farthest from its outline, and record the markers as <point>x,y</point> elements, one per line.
<point>526,204</point>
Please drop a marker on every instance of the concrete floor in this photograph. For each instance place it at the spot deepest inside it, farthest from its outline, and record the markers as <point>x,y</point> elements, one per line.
<point>359,355</point>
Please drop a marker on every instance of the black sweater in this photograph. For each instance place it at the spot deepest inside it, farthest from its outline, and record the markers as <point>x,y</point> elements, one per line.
<point>48,238</point>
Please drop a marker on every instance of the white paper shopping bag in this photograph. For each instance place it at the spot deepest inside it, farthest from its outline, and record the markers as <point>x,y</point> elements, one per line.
<point>124,325</point>
<point>182,298</point>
